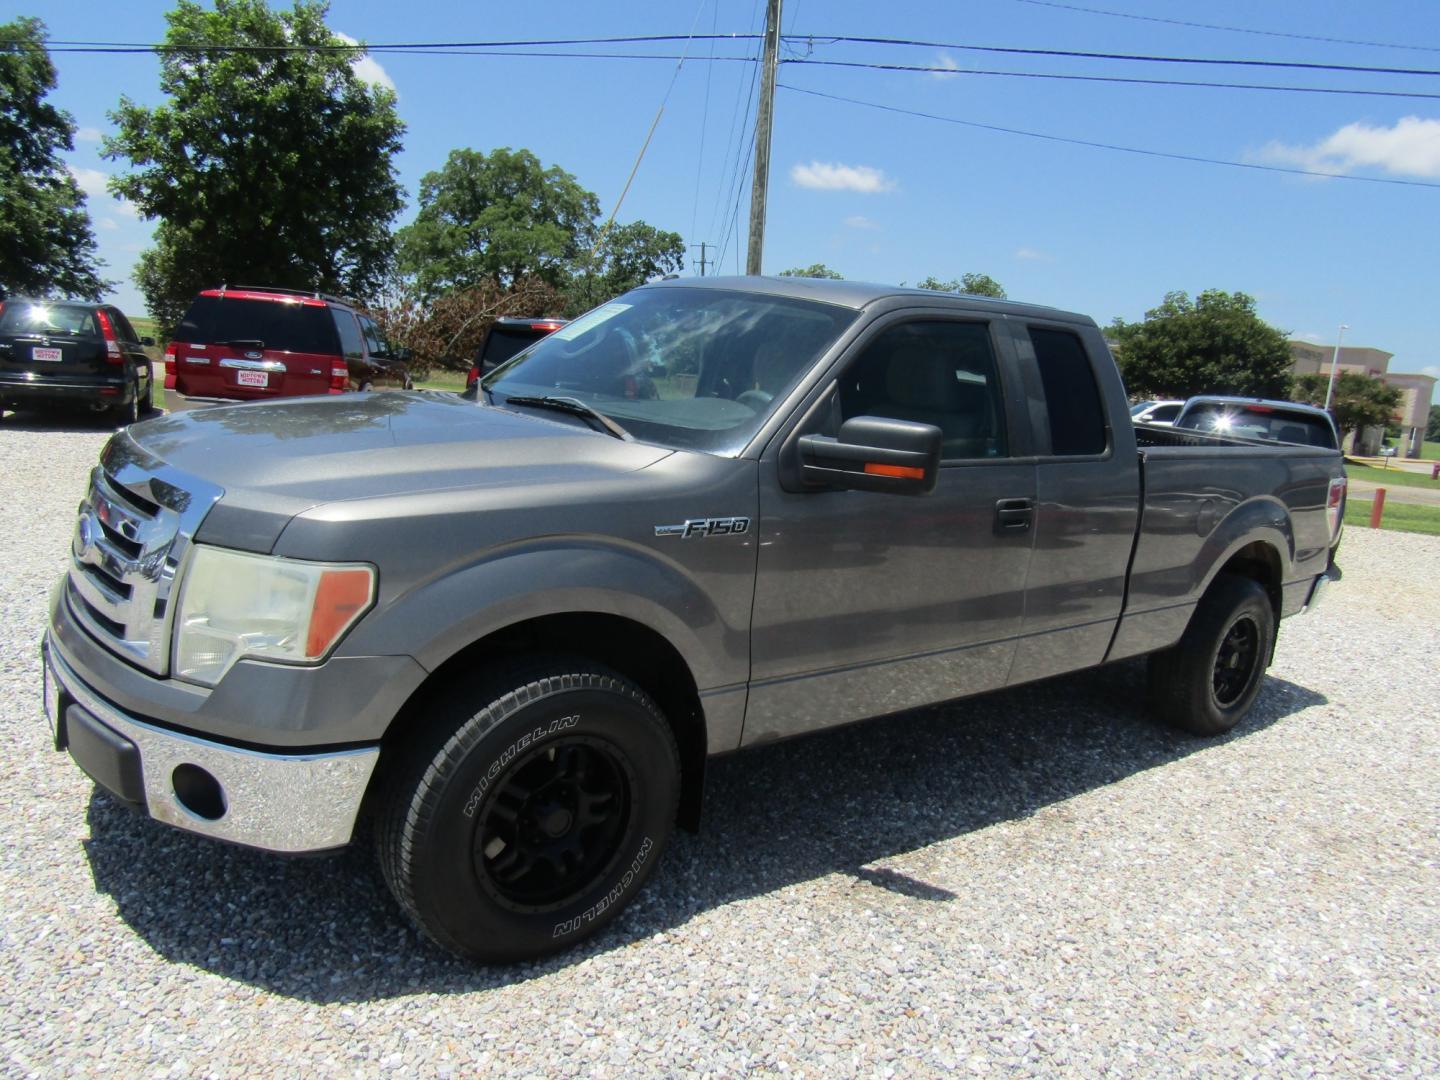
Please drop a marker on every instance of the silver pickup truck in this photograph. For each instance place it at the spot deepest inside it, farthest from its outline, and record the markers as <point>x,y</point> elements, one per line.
<point>710,514</point>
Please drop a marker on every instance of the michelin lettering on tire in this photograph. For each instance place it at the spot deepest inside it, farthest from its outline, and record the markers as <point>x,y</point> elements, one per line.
<point>590,914</point>
<point>508,755</point>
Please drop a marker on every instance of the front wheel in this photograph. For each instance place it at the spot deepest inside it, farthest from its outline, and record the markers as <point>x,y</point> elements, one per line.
<point>1207,682</point>
<point>534,812</point>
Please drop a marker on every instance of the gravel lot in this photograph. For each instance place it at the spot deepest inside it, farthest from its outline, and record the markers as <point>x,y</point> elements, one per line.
<point>1041,880</point>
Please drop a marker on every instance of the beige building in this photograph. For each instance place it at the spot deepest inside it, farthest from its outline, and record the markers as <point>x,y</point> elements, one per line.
<point>1416,390</point>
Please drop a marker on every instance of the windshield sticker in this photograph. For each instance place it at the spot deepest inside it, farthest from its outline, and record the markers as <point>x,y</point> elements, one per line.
<point>590,321</point>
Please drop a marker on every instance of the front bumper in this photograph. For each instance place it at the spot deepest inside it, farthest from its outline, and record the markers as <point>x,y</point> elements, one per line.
<point>295,802</point>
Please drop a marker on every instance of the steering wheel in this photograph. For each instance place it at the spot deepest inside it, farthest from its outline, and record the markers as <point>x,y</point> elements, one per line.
<point>755,399</point>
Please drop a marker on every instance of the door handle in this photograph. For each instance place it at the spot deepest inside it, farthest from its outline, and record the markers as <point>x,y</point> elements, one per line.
<point>1013,516</point>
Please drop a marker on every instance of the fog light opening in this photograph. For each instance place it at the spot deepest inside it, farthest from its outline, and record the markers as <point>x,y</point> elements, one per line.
<point>198,792</point>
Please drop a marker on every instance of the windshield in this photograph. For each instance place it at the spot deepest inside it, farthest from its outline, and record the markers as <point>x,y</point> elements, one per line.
<point>687,368</point>
<point>1267,422</point>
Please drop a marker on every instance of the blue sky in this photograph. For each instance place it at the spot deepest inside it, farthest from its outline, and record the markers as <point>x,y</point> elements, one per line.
<point>889,197</point>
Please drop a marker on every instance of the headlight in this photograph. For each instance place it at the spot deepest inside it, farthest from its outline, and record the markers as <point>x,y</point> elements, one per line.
<point>233,604</point>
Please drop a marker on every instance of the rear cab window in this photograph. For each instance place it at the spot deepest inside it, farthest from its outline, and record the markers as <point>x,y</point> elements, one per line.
<point>1076,415</point>
<point>283,325</point>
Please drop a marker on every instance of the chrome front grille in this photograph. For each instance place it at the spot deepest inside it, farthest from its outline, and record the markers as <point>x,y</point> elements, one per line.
<point>134,528</point>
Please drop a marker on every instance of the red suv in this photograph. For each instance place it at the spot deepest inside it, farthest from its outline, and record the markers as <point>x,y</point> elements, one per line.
<point>251,342</point>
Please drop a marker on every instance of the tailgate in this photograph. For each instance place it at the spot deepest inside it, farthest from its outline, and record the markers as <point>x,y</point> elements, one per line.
<point>46,356</point>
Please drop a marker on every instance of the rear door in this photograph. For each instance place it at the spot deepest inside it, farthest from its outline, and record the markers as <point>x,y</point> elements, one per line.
<point>352,348</point>
<point>1087,501</point>
<point>51,342</point>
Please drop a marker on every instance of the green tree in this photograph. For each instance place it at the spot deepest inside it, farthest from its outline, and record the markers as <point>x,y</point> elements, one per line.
<point>496,218</point>
<point>628,256</point>
<point>266,165</point>
<point>46,243</point>
<point>1432,426</point>
<point>974,284</point>
<point>1359,400</point>
<point>1215,344</point>
<point>814,270</point>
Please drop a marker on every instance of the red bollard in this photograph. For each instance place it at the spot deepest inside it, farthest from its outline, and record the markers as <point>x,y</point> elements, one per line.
<point>1378,508</point>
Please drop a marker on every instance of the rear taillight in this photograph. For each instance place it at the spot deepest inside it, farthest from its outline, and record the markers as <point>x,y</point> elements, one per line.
<point>1335,505</point>
<point>473,377</point>
<point>339,378</point>
<point>113,355</point>
<point>170,366</point>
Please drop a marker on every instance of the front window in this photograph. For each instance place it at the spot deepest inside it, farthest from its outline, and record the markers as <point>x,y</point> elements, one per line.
<point>687,368</point>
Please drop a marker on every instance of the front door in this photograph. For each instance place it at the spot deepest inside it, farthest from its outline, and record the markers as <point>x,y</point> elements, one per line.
<point>870,603</point>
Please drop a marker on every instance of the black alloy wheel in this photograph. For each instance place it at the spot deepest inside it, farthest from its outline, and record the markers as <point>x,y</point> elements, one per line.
<point>554,823</point>
<point>1235,662</point>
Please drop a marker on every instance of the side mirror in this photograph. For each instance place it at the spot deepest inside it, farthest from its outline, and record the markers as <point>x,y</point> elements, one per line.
<point>873,453</point>
<point>147,341</point>
<point>401,354</point>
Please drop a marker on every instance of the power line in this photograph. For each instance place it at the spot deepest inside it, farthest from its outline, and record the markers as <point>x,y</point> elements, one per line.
<point>1229,29</point>
<point>342,46</point>
<point>1210,85</point>
<point>1109,146</point>
<point>717,218</point>
<point>704,128</point>
<point>664,100</point>
<point>1016,50</point>
<point>430,47</point>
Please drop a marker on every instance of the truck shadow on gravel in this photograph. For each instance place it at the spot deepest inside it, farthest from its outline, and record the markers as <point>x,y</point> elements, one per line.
<point>326,930</point>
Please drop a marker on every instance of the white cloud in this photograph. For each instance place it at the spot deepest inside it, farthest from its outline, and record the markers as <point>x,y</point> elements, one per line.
<point>860,221</point>
<point>946,61</point>
<point>367,68</point>
<point>1029,254</point>
<point>1411,147</point>
<point>92,183</point>
<point>1431,369</point>
<point>832,176</point>
<point>107,223</point>
<point>88,134</point>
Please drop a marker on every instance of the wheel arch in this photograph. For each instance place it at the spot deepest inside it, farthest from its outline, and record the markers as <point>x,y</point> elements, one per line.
<point>634,650</point>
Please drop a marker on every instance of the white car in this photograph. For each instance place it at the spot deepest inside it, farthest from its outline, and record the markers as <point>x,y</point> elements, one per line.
<point>1156,413</point>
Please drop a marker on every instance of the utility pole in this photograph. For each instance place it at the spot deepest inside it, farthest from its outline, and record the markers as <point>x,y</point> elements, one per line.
<point>702,246</point>
<point>763,116</point>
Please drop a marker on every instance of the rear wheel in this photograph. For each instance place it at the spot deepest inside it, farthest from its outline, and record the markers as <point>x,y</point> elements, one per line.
<point>1207,682</point>
<point>128,412</point>
<point>533,814</point>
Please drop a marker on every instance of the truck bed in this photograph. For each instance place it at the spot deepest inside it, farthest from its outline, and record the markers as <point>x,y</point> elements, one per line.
<point>1205,497</point>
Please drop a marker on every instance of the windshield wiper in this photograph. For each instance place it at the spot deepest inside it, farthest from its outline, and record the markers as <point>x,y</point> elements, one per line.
<point>575,407</point>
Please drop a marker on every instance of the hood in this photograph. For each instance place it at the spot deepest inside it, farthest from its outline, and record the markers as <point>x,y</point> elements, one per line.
<point>277,459</point>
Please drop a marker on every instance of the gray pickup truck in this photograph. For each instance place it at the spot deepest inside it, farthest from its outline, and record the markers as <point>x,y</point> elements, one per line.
<point>710,514</point>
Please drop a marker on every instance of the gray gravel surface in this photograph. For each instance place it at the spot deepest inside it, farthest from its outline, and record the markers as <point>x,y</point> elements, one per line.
<point>1038,881</point>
